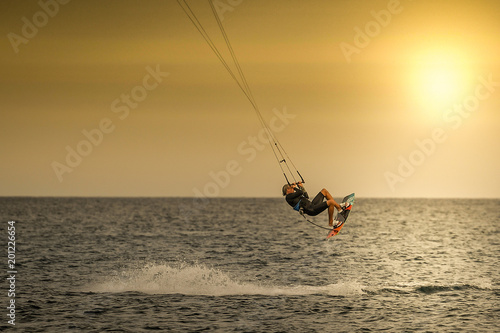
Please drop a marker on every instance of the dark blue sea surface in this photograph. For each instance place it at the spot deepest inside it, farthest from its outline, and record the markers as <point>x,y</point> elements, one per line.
<point>252,265</point>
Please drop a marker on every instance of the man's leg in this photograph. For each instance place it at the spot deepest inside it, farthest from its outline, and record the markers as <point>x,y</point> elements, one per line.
<point>332,204</point>
<point>330,200</point>
<point>331,208</point>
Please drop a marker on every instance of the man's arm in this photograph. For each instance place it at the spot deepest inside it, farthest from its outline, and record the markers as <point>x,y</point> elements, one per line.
<point>303,189</point>
<point>298,192</point>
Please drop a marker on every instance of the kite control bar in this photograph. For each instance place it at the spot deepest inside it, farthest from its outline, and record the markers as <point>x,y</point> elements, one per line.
<point>294,183</point>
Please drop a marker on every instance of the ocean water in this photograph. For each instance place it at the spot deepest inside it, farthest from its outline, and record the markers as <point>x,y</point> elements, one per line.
<point>252,265</point>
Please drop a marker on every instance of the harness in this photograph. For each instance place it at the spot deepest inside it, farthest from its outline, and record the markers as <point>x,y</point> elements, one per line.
<point>297,206</point>
<point>301,211</point>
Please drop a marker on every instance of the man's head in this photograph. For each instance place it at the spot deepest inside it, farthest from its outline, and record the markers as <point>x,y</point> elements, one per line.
<point>287,189</point>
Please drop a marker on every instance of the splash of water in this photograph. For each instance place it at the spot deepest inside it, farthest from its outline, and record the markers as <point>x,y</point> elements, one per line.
<point>198,279</point>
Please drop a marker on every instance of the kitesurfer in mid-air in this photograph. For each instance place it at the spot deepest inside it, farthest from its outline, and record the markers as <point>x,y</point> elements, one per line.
<point>297,197</point>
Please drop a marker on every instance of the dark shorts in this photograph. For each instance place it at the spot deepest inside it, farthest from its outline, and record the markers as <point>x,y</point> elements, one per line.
<point>316,206</point>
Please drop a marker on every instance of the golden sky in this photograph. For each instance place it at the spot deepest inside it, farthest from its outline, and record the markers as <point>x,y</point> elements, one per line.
<point>125,98</point>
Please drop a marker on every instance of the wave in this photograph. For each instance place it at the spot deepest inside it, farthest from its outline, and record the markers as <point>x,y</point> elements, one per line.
<point>430,289</point>
<point>198,279</point>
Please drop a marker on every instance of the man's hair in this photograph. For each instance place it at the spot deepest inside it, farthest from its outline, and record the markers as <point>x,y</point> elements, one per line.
<point>285,188</point>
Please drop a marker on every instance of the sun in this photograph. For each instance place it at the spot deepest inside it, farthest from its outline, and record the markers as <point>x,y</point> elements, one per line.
<point>441,84</point>
<point>440,79</point>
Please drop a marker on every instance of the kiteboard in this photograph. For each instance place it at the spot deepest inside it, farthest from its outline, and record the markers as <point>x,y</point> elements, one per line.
<point>341,218</point>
